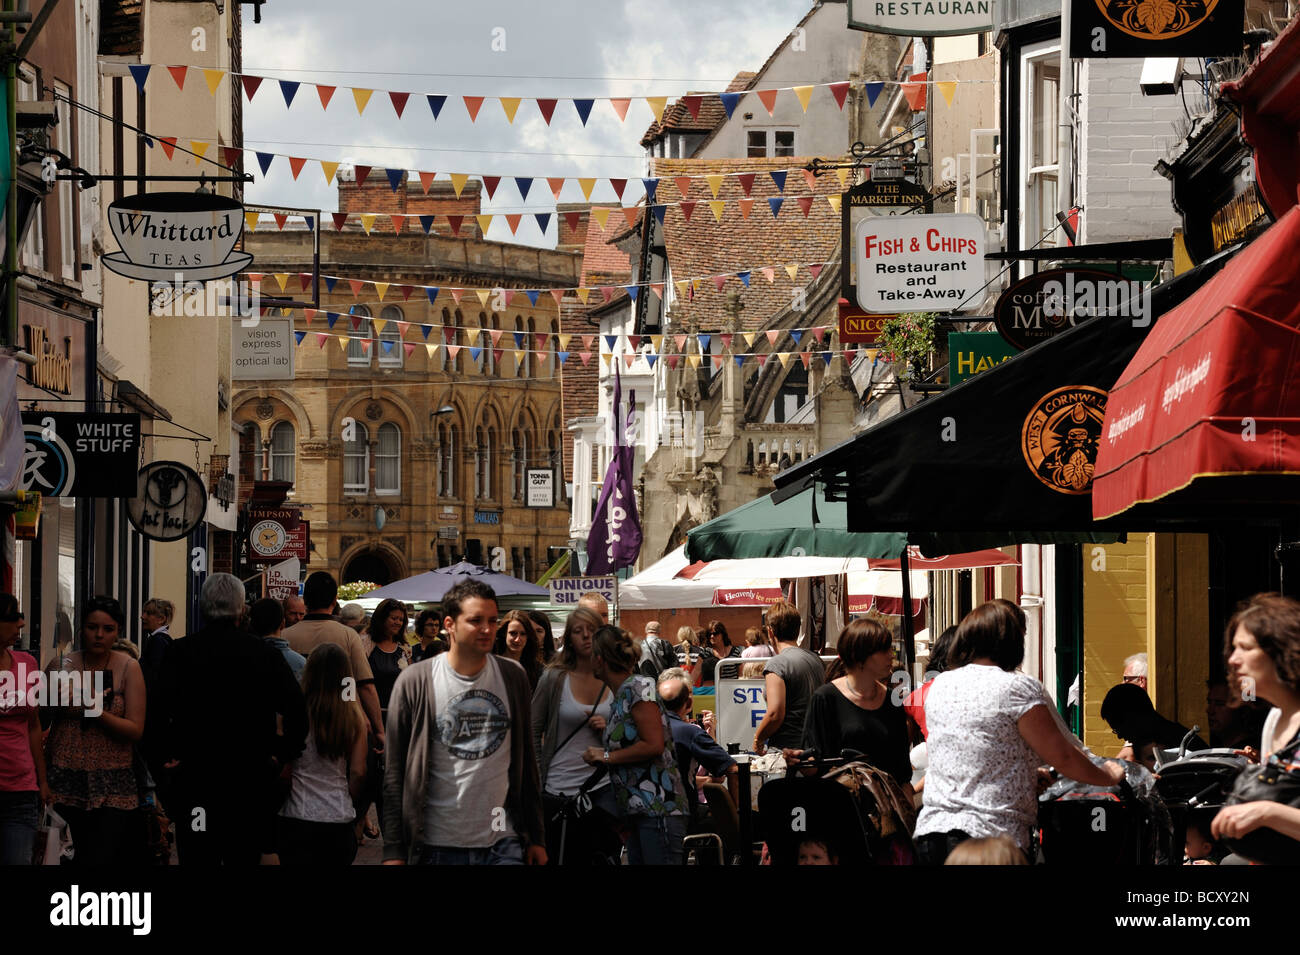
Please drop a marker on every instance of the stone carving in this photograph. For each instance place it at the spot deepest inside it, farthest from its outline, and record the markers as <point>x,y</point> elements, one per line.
<point>265,410</point>
<point>374,410</point>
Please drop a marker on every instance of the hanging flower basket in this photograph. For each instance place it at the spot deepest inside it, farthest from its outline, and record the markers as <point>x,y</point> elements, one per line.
<point>358,588</point>
<point>907,341</point>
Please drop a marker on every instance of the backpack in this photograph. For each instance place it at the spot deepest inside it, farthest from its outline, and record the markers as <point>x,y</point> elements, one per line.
<point>656,656</point>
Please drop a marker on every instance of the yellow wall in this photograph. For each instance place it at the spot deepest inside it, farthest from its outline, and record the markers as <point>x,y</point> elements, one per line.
<point>1114,626</point>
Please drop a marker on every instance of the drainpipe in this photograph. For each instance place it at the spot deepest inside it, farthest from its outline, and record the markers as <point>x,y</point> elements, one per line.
<point>1065,120</point>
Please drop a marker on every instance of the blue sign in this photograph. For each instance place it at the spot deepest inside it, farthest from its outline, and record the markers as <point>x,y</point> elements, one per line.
<point>487,517</point>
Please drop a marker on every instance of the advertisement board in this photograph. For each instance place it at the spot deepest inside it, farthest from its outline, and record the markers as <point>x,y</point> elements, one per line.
<point>919,263</point>
<point>81,454</point>
<point>262,352</point>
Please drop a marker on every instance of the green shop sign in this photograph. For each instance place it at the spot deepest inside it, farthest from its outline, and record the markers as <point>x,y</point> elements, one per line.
<point>969,353</point>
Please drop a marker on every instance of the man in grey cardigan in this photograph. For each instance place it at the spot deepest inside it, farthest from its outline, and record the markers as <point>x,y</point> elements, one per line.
<point>461,786</point>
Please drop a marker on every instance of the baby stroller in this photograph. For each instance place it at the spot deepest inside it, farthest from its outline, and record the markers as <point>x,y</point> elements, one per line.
<point>856,810</point>
<point>1195,787</point>
<point>1128,824</point>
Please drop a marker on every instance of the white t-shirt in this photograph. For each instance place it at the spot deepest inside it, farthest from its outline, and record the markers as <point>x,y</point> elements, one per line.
<point>469,768</point>
<point>567,772</point>
<point>982,772</point>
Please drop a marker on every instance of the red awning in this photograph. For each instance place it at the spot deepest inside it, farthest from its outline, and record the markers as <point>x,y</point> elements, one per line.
<point>1213,391</point>
<point>1269,94</point>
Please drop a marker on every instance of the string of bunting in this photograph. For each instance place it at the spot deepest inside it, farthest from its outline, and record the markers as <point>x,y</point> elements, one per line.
<point>913,88</point>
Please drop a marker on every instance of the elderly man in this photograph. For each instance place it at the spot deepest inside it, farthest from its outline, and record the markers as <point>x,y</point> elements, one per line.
<point>596,604</point>
<point>220,693</point>
<point>694,745</point>
<point>294,610</point>
<point>1135,670</point>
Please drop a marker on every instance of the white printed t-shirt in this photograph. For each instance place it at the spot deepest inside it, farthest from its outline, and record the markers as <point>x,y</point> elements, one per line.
<point>982,773</point>
<point>469,768</point>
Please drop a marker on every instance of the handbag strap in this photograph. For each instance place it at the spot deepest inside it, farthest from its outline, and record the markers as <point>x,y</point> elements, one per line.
<point>579,727</point>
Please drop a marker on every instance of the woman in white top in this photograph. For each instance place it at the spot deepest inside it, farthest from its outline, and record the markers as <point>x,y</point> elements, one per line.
<point>315,826</point>
<point>570,708</point>
<point>1263,646</point>
<point>990,728</point>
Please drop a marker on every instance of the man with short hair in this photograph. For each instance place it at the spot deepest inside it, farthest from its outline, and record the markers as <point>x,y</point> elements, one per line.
<point>266,617</point>
<point>1135,670</point>
<point>220,692</point>
<point>461,784</point>
<point>354,616</point>
<point>596,603</point>
<point>294,610</point>
<point>320,595</point>
<point>657,653</point>
<point>694,744</point>
<point>790,679</point>
<point>155,618</point>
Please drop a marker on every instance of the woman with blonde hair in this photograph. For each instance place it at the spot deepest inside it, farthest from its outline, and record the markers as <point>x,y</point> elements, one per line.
<point>315,826</point>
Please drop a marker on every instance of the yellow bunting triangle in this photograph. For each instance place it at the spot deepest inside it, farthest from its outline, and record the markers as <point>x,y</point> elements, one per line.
<point>681,289</point>
<point>329,168</point>
<point>380,289</point>
<point>343,342</point>
<point>511,106</point>
<point>214,78</point>
<point>458,180</point>
<point>587,185</point>
<point>564,341</point>
<point>947,89</point>
<point>792,271</point>
<point>804,93</point>
<point>842,175</point>
<point>749,339</point>
<point>715,183</point>
<point>368,221</point>
<point>695,285</point>
<point>716,205</point>
<point>362,97</point>
<point>693,360</point>
<point>201,149</point>
<point>483,294</point>
<point>281,278</point>
<point>606,357</point>
<point>250,220</point>
<point>785,358</point>
<point>484,222</point>
<point>431,349</point>
<point>519,356</point>
<point>834,201</point>
<point>657,104</point>
<point>583,294</point>
<point>657,343</point>
<point>380,323</point>
<point>601,215</point>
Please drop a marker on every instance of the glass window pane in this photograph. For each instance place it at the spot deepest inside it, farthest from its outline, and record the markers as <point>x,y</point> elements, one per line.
<point>356,461</point>
<point>756,140</point>
<point>784,142</point>
<point>388,460</point>
<point>282,452</point>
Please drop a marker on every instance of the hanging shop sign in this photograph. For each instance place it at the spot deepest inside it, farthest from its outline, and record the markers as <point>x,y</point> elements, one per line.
<point>1061,435</point>
<point>541,487</point>
<point>271,541</point>
<point>858,327</point>
<point>262,352</point>
<point>176,237</point>
<point>1156,28</point>
<point>282,579</point>
<point>170,501</point>
<point>919,263</point>
<point>1047,303</point>
<point>893,197</point>
<point>1240,216</point>
<point>71,454</point>
<point>921,17</point>
<point>969,353</point>
<point>567,591</point>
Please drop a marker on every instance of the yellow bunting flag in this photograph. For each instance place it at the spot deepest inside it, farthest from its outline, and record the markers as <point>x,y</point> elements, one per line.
<point>484,222</point>
<point>368,222</point>
<point>947,89</point>
<point>834,201</point>
<point>749,339</point>
<point>362,97</point>
<point>693,360</point>
<point>214,78</point>
<point>380,324</point>
<point>519,357</point>
<point>564,341</point>
<point>804,93</point>
<point>510,104</point>
<point>200,149</point>
<point>792,270</point>
<point>458,180</point>
<point>657,343</point>
<point>695,285</point>
<point>380,289</point>
<point>785,358</point>
<point>329,168</point>
<point>250,220</point>
<point>601,215</point>
<point>716,205</point>
<point>842,175</point>
<point>343,342</point>
<point>431,349</point>
<point>281,278</point>
<point>657,104</point>
<point>715,183</point>
<point>681,289</point>
<point>606,357</point>
<point>583,293</point>
<point>483,295</point>
<point>587,185</point>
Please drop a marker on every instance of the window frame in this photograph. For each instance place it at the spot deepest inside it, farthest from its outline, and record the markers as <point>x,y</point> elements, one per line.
<point>279,456</point>
<point>1034,178</point>
<point>361,359</point>
<point>388,427</point>
<point>363,441</point>
<point>397,357</point>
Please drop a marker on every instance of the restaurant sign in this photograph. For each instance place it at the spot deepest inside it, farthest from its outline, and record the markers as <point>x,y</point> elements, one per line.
<point>919,263</point>
<point>921,17</point>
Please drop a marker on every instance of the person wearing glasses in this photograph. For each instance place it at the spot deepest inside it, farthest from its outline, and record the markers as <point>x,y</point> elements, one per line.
<point>1135,670</point>
<point>90,749</point>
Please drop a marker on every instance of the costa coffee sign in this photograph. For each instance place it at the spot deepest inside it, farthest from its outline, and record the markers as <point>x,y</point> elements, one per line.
<point>176,237</point>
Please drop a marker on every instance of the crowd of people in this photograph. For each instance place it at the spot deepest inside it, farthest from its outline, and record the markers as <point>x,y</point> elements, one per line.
<point>270,731</point>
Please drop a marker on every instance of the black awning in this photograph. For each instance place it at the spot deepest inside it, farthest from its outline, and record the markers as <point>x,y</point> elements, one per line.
<point>1004,457</point>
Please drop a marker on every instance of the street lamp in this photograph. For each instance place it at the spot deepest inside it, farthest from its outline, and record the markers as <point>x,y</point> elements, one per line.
<point>445,409</point>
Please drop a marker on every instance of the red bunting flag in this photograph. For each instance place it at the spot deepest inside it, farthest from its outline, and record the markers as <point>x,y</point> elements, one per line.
<point>746,181</point>
<point>618,186</point>
<point>805,204</point>
<point>719,281</point>
<point>658,289</point>
<point>455,222</point>
<point>456,294</point>
<point>914,92</point>
<point>804,357</point>
<point>558,295</point>
<point>819,332</point>
<point>178,74</point>
<point>408,347</point>
<point>541,340</point>
<point>398,223</point>
<point>340,220</point>
<point>304,282</point>
<point>230,155</point>
<point>356,287</point>
<point>512,220</point>
<point>585,356</point>
<point>673,361</point>
<point>426,181</point>
<point>687,208</point>
<point>683,185</point>
<point>168,144</point>
<point>399,102</point>
<point>631,214</point>
<point>326,93</point>
<point>587,340</point>
<point>280,219</point>
<point>816,270</point>
<point>811,178</point>
<point>547,108</point>
<point>362,172</point>
<point>768,99</point>
<point>607,291</point>
<point>295,165</point>
<point>321,339</point>
<point>556,185</point>
<point>839,91</point>
<point>472,105</point>
<point>251,83</point>
<point>571,219</point>
<point>693,104</point>
<point>490,183</point>
<point>309,314</point>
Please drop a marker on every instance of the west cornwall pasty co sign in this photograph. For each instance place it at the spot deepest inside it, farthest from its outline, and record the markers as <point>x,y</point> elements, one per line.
<point>921,17</point>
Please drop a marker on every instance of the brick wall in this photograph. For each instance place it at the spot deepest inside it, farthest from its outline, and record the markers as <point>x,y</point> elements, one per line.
<point>572,239</point>
<point>580,390</point>
<point>376,195</point>
<point>1114,627</point>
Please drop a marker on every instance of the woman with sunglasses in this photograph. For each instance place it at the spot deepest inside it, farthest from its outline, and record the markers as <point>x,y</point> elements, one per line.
<point>91,744</point>
<point>23,787</point>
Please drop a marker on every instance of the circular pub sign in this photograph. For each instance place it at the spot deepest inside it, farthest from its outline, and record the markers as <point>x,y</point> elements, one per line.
<point>170,501</point>
<point>1060,437</point>
<point>1156,19</point>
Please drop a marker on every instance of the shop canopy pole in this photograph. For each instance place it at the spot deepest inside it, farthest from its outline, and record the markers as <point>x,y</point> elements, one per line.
<point>909,628</point>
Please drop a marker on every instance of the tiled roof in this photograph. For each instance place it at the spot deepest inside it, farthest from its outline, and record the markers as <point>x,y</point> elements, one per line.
<point>711,113</point>
<point>704,247</point>
<point>602,263</point>
<point>120,29</point>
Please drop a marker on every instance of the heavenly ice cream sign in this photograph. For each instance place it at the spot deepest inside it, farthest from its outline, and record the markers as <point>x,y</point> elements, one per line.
<point>176,237</point>
<point>921,17</point>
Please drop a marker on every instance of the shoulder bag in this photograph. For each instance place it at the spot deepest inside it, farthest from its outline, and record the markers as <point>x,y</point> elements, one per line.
<point>1277,780</point>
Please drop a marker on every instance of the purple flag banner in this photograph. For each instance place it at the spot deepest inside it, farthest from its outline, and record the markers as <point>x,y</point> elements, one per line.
<point>615,538</point>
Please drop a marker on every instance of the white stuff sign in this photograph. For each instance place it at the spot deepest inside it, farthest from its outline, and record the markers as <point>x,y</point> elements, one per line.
<point>919,263</point>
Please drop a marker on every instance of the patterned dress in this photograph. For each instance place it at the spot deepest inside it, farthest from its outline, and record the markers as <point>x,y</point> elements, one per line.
<point>88,768</point>
<point>652,788</point>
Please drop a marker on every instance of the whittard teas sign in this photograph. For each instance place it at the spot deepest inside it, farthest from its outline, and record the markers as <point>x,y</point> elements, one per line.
<point>176,237</point>
<point>919,263</point>
<point>921,17</point>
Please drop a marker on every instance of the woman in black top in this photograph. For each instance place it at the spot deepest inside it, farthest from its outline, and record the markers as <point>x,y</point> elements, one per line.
<point>855,711</point>
<point>388,655</point>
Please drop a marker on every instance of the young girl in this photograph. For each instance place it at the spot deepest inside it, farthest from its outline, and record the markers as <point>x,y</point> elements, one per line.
<point>315,824</point>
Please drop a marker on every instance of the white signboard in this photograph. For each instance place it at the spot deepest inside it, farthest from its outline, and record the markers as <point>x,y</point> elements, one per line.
<point>567,591</point>
<point>541,487</point>
<point>262,352</point>
<point>282,579</point>
<point>921,17</point>
<point>919,263</point>
<point>740,708</point>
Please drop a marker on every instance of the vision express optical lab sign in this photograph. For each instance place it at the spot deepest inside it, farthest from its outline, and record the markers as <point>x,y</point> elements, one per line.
<point>176,237</point>
<point>1157,28</point>
<point>80,455</point>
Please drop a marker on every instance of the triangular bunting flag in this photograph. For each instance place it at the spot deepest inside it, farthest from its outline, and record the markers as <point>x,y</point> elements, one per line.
<point>729,101</point>
<point>775,203</point>
<point>657,105</point>
<point>426,223</point>
<point>490,183</point>
<point>512,220</point>
<point>340,220</point>
<point>547,108</point>
<point>483,296</point>
<point>558,295</point>
<point>744,278</point>
<point>632,292</point>
<point>796,334</point>
<point>329,169</point>
<point>408,348</point>
<point>842,175</point>
<point>815,269</point>
<point>394,177</point>
<point>368,221</point>
<point>289,89</point>
<point>659,212</point>
<point>426,181</point>
<point>361,98</point>
<point>361,173</point>
<point>523,184</point>
<point>250,220</point>
<point>687,208</point>
<point>704,341</point>
<point>455,223</point>
<point>719,281</point>
<point>168,144</point>
<point>716,205</point>
<point>433,297</point>
<point>607,292</point>
<point>873,93</point>
<point>726,339</point>
<point>281,279</point>
<point>762,360</point>
<point>805,204</point>
<point>178,74</point>
<point>693,104</point>
<point>435,103</point>
<point>804,357</point>
<point>543,220</point>
<point>715,183</point>
<point>321,339</point>
<point>834,202</point>
<point>740,361</point>
<point>280,219</point>
<point>947,89</point>
<point>631,215</point>
<point>601,215</point>
<point>804,93</point>
<point>778,177</point>
<point>914,92</point>
<point>618,185</point>
<point>810,178</point>
<point>772,335</point>
<point>694,360</point>
<point>658,289</point>
<point>472,105</point>
<point>140,73</point>
<point>674,360</point>
<point>768,99</point>
<point>200,150</point>
<point>680,340</point>
<point>557,184</point>
<point>399,101</point>
<point>583,294</point>
<point>510,106</point>
<point>264,161</point>
<point>586,185</point>
<point>785,358</point>
<point>749,339</point>
<point>746,207</point>
<point>839,91</point>
<point>651,187</point>
<point>628,359</point>
<point>326,93</point>
<point>214,78</point>
<point>295,165</point>
<point>380,289</point>
<point>620,107</point>
<point>819,332</point>
<point>746,181</point>
<point>484,223</point>
<point>792,270</point>
<point>356,285</point>
<point>769,273</point>
<point>583,106</point>
<point>683,184</point>
<point>458,180</point>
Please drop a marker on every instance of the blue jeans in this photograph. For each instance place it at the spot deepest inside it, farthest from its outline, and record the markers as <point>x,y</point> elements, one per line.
<point>19,815</point>
<point>508,851</point>
<point>656,840</point>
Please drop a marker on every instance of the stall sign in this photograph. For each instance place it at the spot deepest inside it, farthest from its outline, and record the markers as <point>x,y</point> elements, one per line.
<point>919,263</point>
<point>741,707</point>
<point>81,454</point>
<point>282,579</point>
<point>170,501</point>
<point>1156,28</point>
<point>567,591</point>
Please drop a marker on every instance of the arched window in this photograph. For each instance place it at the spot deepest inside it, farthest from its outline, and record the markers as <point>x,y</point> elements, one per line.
<point>390,355</point>
<point>359,332</point>
<point>530,343</point>
<point>521,345</point>
<point>551,358</point>
<point>495,368</point>
<point>520,440</point>
<point>443,363</point>
<point>487,364</point>
<point>449,463</point>
<point>282,452</point>
<point>482,465</point>
<point>388,460</point>
<point>356,461</point>
<point>489,464</point>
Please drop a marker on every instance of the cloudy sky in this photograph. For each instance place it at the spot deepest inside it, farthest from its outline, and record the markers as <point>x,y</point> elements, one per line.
<point>552,48</point>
